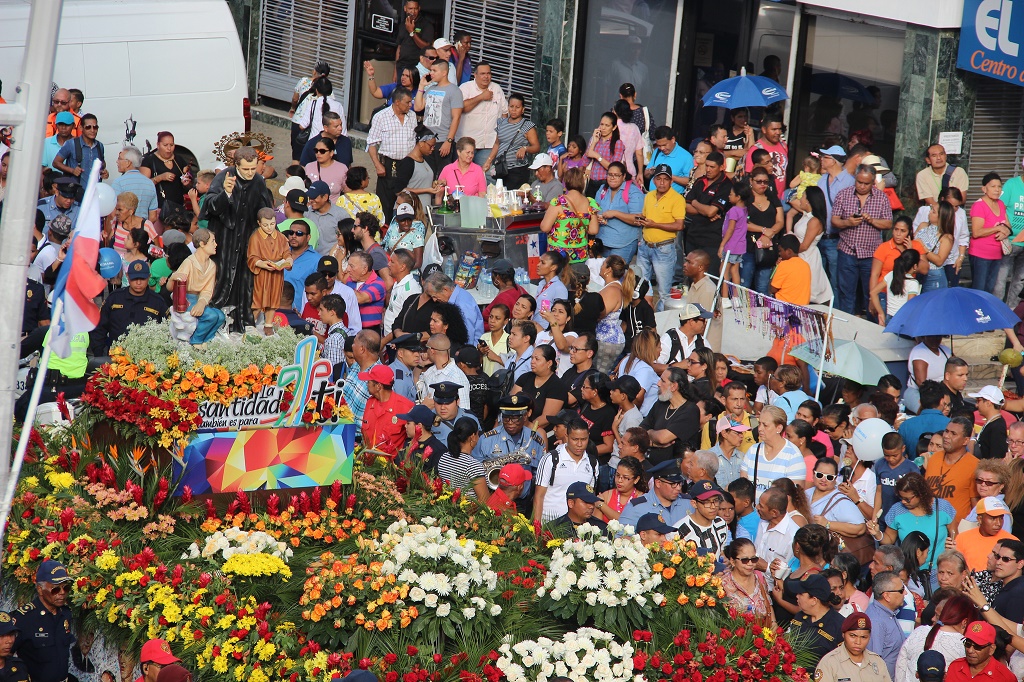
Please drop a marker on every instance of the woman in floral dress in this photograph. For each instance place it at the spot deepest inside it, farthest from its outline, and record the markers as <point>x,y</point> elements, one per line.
<point>571,219</point>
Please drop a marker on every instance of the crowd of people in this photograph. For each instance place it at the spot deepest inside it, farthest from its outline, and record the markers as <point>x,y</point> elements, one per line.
<point>567,404</point>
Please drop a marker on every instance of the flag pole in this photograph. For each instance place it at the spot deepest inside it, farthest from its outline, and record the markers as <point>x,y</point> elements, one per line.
<point>824,348</point>
<point>26,430</point>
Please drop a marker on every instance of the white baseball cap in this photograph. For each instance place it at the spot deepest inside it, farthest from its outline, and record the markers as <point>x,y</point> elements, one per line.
<point>542,159</point>
<point>442,42</point>
<point>989,393</point>
<point>293,182</point>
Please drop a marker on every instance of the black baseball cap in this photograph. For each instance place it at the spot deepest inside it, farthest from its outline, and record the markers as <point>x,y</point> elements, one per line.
<point>296,199</point>
<point>469,356</point>
<point>627,384</point>
<point>328,264</point>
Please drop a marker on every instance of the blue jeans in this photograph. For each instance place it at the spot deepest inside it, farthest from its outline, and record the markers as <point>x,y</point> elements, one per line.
<point>829,251</point>
<point>753,277</point>
<point>627,252</point>
<point>660,262</point>
<point>853,271</point>
<point>952,276</point>
<point>935,279</point>
<point>207,324</point>
<point>984,273</point>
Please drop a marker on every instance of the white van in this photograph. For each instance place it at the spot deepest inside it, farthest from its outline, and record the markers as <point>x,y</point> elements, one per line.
<point>172,65</point>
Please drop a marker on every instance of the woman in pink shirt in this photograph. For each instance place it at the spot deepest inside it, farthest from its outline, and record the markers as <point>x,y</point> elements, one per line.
<point>989,226</point>
<point>463,172</point>
<point>632,138</point>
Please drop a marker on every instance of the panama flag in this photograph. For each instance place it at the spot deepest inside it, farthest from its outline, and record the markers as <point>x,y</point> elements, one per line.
<point>78,283</point>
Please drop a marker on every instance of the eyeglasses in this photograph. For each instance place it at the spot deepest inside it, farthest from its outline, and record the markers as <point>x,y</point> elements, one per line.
<point>91,127</point>
<point>821,475</point>
<point>318,150</point>
<point>674,484</point>
<point>1006,559</point>
<point>513,417</point>
<point>832,429</point>
<point>694,362</point>
<point>58,589</point>
<point>713,502</point>
<point>625,477</point>
<point>61,101</point>
<point>293,233</point>
<point>759,182</point>
<point>439,350</point>
<point>576,349</point>
<point>968,644</point>
<point>899,591</point>
<point>908,499</point>
<point>747,559</point>
<point>983,481</point>
<point>1013,441</point>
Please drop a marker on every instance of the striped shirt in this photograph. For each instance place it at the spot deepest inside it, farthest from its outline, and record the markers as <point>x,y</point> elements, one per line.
<point>334,343</point>
<point>787,463</point>
<point>392,138</point>
<point>460,472</point>
<point>142,187</point>
<point>371,312</point>
<point>712,538</point>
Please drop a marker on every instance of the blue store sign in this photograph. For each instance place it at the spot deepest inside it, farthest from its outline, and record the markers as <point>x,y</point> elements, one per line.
<point>991,37</point>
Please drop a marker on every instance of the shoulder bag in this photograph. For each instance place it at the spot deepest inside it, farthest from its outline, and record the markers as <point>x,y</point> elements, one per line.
<point>500,162</point>
<point>860,546</point>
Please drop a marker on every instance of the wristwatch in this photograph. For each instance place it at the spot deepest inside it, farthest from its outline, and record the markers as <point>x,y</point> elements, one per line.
<point>451,139</point>
<point>986,607</point>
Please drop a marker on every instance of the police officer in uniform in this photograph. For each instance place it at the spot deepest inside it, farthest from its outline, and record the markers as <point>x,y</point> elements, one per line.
<point>64,202</point>
<point>446,404</point>
<point>134,304</point>
<point>818,622</point>
<point>12,668</point>
<point>407,349</point>
<point>664,498</point>
<point>35,319</point>
<point>44,626</point>
<point>511,434</point>
<point>851,661</point>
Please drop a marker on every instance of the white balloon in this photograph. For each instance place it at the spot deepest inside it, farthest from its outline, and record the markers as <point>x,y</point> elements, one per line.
<point>107,199</point>
<point>867,439</point>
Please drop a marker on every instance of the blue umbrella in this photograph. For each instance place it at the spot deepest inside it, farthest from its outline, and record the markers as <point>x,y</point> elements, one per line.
<point>744,91</point>
<point>956,311</point>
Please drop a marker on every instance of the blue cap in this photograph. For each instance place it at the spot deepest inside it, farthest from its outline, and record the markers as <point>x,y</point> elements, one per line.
<point>7,625</point>
<point>581,491</point>
<point>667,471</point>
<point>931,666</point>
<point>139,269</point>
<point>51,571</point>
<point>654,522</point>
<point>317,189</point>
<point>65,117</point>
<point>420,414</point>
<point>814,584</point>
<point>446,392</point>
<point>834,150</point>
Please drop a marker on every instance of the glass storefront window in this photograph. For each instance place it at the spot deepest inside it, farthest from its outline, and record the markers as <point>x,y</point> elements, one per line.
<point>627,41</point>
<point>850,85</point>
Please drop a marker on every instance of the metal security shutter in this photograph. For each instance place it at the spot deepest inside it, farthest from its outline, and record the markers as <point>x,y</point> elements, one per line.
<point>997,143</point>
<point>505,35</point>
<point>294,34</point>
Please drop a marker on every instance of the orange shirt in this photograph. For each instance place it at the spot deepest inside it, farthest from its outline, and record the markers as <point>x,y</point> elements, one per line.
<point>953,483</point>
<point>51,125</point>
<point>787,343</point>
<point>888,253</point>
<point>976,547</point>
<point>792,278</point>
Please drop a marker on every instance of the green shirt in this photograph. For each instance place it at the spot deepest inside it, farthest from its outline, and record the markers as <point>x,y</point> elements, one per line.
<point>1013,197</point>
<point>73,366</point>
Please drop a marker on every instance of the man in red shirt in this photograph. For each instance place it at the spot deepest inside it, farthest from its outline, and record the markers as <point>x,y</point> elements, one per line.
<point>511,478</point>
<point>771,142</point>
<point>383,430</point>
<point>978,663</point>
<point>503,277</point>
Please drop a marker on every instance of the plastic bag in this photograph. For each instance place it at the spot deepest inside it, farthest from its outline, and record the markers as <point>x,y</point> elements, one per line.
<point>431,252</point>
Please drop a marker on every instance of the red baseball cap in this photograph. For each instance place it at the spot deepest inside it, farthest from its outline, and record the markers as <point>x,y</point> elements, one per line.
<point>513,474</point>
<point>157,651</point>
<point>981,633</point>
<point>382,374</point>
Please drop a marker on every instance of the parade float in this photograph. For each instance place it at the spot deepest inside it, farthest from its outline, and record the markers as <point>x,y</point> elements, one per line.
<point>213,498</point>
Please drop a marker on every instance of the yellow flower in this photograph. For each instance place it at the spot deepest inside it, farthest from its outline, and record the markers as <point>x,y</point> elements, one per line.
<point>254,565</point>
<point>60,480</point>
<point>107,561</point>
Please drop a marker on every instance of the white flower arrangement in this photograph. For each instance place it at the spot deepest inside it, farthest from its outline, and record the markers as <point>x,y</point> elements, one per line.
<point>446,577</point>
<point>586,655</point>
<point>602,576</point>
<point>235,541</point>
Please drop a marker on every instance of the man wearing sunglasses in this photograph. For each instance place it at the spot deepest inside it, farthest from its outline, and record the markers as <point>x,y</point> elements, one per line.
<point>304,259</point>
<point>77,155</point>
<point>61,102</point>
<point>978,661</point>
<point>44,625</point>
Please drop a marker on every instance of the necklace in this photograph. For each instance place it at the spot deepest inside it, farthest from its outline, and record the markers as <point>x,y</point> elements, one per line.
<point>671,411</point>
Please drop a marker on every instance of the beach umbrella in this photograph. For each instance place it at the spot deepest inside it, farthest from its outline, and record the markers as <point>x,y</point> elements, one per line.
<point>956,311</point>
<point>850,360</point>
<point>744,91</point>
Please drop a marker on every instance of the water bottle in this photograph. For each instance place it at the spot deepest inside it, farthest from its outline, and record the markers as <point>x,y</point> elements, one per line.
<point>449,266</point>
<point>522,277</point>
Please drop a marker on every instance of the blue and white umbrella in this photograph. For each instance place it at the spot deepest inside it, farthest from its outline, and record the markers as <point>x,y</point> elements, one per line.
<point>744,91</point>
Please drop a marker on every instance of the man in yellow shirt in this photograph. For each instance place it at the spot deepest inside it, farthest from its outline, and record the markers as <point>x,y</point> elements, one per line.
<point>662,219</point>
<point>791,281</point>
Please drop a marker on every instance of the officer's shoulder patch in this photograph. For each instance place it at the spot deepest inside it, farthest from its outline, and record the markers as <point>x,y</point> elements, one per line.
<point>541,440</point>
<point>818,674</point>
<point>637,501</point>
<point>27,608</point>
<point>492,432</point>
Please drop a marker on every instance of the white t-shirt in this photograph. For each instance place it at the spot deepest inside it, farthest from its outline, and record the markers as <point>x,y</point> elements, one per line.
<point>648,379</point>
<point>936,362</point>
<point>545,338</point>
<point>866,485</point>
<point>893,303</point>
<point>788,463</point>
<point>348,294</point>
<point>567,472</point>
<point>666,346</point>
<point>765,396</point>
<point>481,123</point>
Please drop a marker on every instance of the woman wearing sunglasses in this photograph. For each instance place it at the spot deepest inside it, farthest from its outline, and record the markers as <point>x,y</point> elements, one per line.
<point>837,512</point>
<point>325,168</point>
<point>746,588</point>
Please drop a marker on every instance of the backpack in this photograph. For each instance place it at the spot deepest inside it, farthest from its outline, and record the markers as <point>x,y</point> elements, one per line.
<point>594,466</point>
<point>947,175</point>
<point>78,151</point>
<point>677,346</point>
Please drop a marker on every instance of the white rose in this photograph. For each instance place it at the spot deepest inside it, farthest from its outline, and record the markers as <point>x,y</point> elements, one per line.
<point>430,600</point>
<point>444,609</point>
<point>468,613</point>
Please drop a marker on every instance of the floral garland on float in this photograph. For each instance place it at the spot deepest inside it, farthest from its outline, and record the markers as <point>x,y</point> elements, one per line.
<point>394,573</point>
